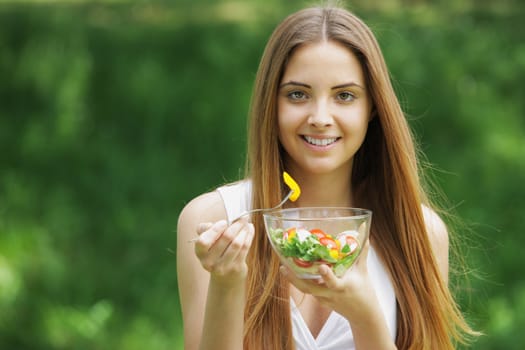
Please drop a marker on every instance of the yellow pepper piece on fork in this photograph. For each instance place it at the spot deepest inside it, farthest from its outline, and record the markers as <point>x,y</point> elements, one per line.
<point>290,182</point>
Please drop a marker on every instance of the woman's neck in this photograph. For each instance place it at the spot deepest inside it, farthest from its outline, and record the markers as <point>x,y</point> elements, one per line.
<point>325,190</point>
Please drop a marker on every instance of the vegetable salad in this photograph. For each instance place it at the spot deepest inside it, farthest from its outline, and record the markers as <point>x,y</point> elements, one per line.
<point>307,249</point>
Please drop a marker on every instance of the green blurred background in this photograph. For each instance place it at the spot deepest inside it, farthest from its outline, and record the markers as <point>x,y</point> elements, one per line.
<point>114,114</point>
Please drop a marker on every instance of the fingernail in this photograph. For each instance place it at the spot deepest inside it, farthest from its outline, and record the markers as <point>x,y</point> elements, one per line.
<point>221,224</point>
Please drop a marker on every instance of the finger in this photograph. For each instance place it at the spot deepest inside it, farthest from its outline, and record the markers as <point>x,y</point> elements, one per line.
<point>212,233</point>
<point>330,280</point>
<point>234,257</point>
<point>247,241</point>
<point>304,285</point>
<point>208,238</point>
<point>203,226</point>
<point>236,250</point>
<point>215,243</point>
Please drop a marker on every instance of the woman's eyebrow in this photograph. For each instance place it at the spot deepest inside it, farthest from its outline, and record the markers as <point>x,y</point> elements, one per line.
<point>340,86</point>
<point>345,85</point>
<point>295,83</point>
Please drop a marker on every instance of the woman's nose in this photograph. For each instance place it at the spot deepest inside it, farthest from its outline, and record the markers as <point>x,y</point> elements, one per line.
<point>320,115</point>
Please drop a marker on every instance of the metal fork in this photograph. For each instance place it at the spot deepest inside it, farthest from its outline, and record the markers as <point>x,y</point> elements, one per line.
<point>249,212</point>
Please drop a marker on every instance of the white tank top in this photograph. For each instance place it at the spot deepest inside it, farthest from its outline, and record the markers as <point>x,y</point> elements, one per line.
<point>336,333</point>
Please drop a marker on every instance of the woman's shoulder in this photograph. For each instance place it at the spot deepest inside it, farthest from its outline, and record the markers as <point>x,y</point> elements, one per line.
<point>206,207</point>
<point>438,237</point>
<point>435,225</point>
<point>240,188</point>
<point>212,206</point>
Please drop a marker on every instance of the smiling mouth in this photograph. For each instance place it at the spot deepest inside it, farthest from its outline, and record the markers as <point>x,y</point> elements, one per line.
<point>320,142</point>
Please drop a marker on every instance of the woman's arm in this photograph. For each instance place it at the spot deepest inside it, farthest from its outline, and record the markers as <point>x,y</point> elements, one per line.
<point>211,274</point>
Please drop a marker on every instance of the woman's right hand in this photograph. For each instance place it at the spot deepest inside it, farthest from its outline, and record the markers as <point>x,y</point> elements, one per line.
<point>222,249</point>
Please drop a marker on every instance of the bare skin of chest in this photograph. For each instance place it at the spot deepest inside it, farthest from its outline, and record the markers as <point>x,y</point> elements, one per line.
<point>314,314</point>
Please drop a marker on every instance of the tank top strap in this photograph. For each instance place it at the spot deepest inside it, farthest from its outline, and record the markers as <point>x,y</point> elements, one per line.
<point>237,197</point>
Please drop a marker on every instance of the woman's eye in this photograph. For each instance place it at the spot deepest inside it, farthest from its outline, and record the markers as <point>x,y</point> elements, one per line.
<point>297,95</point>
<point>345,96</point>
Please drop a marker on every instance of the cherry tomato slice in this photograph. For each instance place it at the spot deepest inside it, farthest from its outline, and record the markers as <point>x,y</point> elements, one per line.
<point>352,243</point>
<point>328,242</point>
<point>302,263</point>
<point>318,232</point>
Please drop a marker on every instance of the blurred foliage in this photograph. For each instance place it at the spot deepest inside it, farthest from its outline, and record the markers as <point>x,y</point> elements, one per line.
<point>114,114</point>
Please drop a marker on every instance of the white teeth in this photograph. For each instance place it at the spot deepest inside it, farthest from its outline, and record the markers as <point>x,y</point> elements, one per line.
<point>320,142</point>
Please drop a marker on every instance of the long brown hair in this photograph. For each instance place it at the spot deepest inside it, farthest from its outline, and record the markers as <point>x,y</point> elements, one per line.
<point>385,179</point>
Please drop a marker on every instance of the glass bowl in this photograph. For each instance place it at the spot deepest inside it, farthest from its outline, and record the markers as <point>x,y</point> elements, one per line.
<point>305,238</point>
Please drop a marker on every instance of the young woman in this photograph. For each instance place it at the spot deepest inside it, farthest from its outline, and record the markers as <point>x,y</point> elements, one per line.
<point>323,110</point>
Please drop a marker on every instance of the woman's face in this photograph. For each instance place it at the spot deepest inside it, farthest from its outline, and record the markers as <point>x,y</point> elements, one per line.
<point>323,108</point>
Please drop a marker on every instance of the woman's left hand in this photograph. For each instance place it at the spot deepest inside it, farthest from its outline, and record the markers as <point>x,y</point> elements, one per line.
<point>347,294</point>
